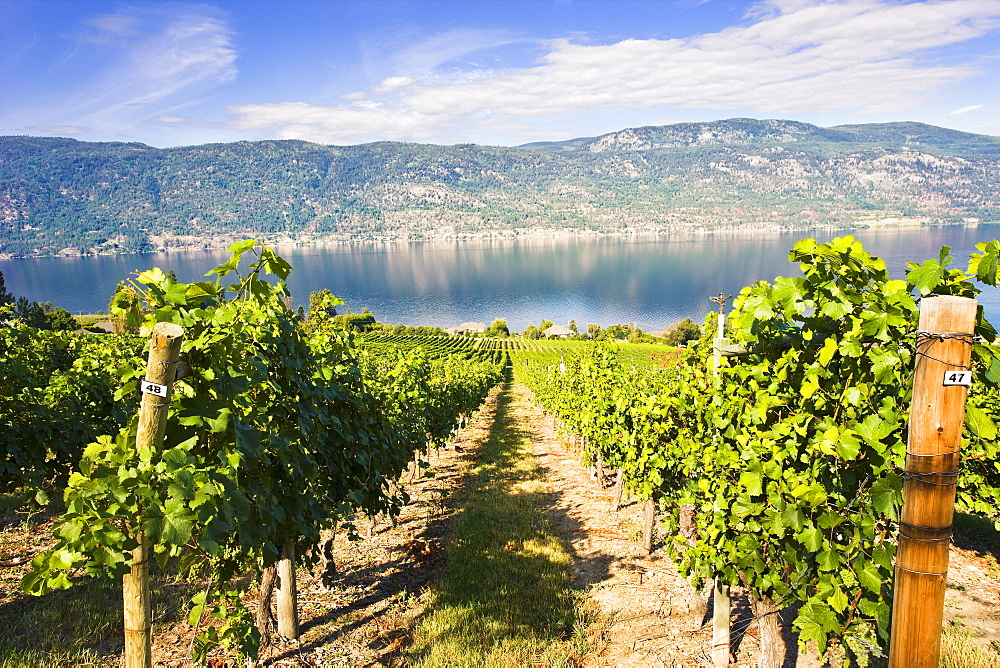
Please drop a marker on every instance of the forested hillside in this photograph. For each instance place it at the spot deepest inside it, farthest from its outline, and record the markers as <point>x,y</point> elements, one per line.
<point>65,196</point>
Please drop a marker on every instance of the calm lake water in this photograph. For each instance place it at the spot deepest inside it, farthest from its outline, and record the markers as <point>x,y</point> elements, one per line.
<point>650,281</point>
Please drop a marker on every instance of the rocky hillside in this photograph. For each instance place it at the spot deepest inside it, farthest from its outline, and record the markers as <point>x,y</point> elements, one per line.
<point>64,196</point>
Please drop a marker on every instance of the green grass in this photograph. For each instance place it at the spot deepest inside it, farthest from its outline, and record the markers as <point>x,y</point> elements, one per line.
<point>62,628</point>
<point>505,597</point>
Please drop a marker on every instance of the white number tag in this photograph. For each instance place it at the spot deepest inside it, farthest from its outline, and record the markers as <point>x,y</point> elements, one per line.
<point>153,388</point>
<point>958,378</point>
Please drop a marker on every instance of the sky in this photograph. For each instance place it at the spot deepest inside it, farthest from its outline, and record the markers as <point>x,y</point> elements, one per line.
<point>492,72</point>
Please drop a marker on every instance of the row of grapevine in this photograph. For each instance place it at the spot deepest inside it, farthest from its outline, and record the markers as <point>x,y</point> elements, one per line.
<point>273,435</point>
<point>57,394</point>
<point>436,347</point>
<point>791,458</point>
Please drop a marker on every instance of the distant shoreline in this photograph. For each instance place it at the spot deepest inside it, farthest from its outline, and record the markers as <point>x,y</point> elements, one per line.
<point>221,242</point>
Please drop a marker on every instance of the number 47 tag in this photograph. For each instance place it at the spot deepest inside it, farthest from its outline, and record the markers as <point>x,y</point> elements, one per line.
<point>957,378</point>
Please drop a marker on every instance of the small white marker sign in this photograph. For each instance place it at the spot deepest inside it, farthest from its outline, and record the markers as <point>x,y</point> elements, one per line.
<point>954,377</point>
<point>153,388</point>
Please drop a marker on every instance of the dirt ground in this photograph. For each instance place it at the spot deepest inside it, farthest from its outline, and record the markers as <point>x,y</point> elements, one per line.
<point>651,616</point>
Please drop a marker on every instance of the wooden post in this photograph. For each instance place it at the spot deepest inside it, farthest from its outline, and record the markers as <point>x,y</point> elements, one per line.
<point>649,515</point>
<point>616,501</point>
<point>288,614</point>
<point>720,624</point>
<point>164,349</point>
<point>721,605</point>
<point>932,454</point>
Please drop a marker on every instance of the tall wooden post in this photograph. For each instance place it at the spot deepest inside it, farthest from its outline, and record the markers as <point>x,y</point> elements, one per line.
<point>721,614</point>
<point>932,456</point>
<point>288,614</point>
<point>164,349</point>
<point>721,604</point>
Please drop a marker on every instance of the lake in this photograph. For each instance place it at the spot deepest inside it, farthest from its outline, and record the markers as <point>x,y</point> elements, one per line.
<point>651,281</point>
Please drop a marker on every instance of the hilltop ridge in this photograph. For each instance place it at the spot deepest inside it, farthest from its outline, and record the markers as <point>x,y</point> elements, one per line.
<point>66,196</point>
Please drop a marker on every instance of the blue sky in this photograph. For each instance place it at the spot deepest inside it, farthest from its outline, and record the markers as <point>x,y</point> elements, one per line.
<point>485,71</point>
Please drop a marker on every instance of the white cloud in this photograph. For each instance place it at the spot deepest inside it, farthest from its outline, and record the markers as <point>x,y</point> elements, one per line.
<point>59,130</point>
<point>166,119</point>
<point>169,50</point>
<point>393,83</point>
<point>790,57</point>
<point>425,55</point>
<point>964,110</point>
<point>135,65</point>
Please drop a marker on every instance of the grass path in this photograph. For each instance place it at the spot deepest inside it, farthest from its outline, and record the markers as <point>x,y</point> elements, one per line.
<point>505,596</point>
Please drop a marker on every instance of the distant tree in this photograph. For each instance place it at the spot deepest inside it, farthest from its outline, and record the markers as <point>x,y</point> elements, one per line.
<point>532,332</point>
<point>545,325</point>
<point>498,328</point>
<point>361,322</point>
<point>572,327</point>
<point>593,330</point>
<point>684,331</point>
<point>5,297</point>
<point>323,303</point>
<point>30,313</point>
<point>636,335</point>
<point>60,319</point>
<point>616,332</point>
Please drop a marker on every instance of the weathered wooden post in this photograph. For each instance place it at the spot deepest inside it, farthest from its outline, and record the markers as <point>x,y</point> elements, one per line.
<point>648,520</point>
<point>937,413</point>
<point>722,607</point>
<point>616,501</point>
<point>288,614</point>
<point>164,349</point>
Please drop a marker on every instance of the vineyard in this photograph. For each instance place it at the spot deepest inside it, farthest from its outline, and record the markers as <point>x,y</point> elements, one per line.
<point>778,469</point>
<point>273,435</point>
<point>508,351</point>
<point>782,472</point>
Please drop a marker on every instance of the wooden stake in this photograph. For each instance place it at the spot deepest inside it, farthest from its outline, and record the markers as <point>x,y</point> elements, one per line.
<point>264,617</point>
<point>164,349</point>
<point>936,418</point>
<point>288,614</point>
<point>649,515</point>
<point>720,624</point>
<point>616,502</point>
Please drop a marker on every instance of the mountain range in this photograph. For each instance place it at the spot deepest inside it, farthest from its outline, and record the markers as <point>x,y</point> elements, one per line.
<point>62,196</point>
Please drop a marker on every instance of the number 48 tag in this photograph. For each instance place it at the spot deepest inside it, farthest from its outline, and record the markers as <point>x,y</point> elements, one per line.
<point>958,378</point>
<point>154,388</point>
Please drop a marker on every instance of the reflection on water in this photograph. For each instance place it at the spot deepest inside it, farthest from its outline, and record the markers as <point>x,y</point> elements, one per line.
<point>652,281</point>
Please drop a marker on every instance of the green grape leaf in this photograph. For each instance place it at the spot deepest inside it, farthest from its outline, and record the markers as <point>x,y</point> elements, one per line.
<point>980,423</point>
<point>887,495</point>
<point>926,277</point>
